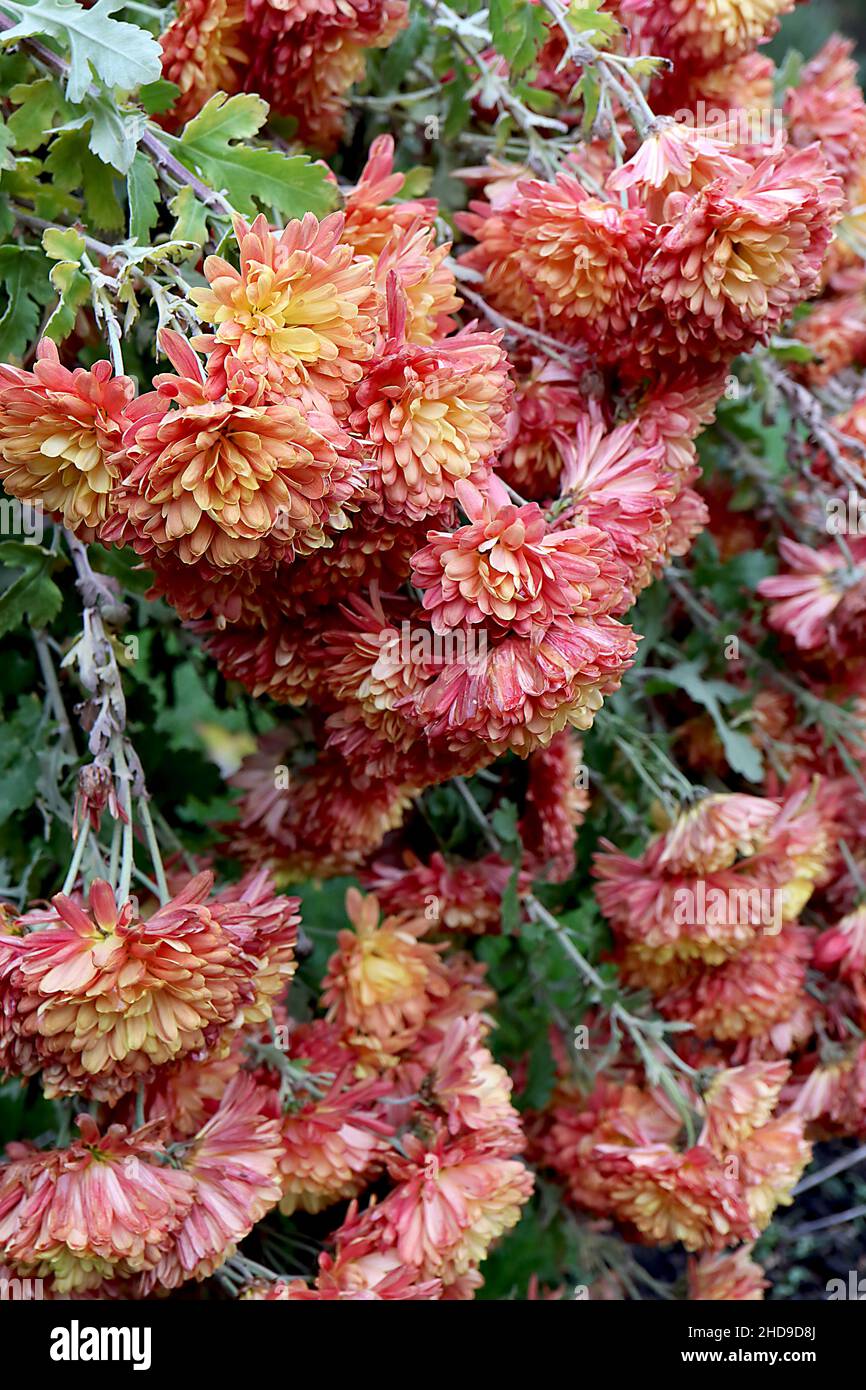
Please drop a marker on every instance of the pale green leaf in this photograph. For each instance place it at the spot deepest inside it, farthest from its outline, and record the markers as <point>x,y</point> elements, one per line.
<point>120,55</point>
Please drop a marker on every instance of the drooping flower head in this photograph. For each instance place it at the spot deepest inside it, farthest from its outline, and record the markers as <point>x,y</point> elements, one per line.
<point>299,313</point>
<point>203,52</point>
<point>102,1207</point>
<point>59,432</point>
<point>230,481</point>
<point>511,569</point>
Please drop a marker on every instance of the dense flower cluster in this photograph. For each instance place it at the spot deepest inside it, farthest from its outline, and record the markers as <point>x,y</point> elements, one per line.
<point>419,535</point>
<point>301,57</point>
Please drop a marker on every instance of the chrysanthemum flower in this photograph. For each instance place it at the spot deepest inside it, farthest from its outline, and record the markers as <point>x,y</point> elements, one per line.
<point>456,896</point>
<point>672,1196</point>
<point>772,1160</point>
<point>738,257</point>
<point>827,105</point>
<point>460,1076</point>
<point>103,998</point>
<point>728,1276</point>
<point>498,254</point>
<point>331,819</point>
<point>306,57</point>
<point>821,599</point>
<point>371,218</point>
<point>548,402</point>
<point>264,927</point>
<point>755,993</point>
<point>582,258</point>
<point>433,415</point>
<point>59,433</point>
<point>203,52</point>
<point>740,1100</point>
<point>619,482</point>
<point>726,869</point>
<point>426,281</point>
<point>226,480</point>
<point>299,313</point>
<point>511,569</point>
<point>284,662</point>
<point>556,802</point>
<point>704,33</point>
<point>233,1163</point>
<point>382,981</point>
<point>676,158</point>
<point>334,1145</point>
<point>835,330</point>
<point>100,1208</point>
<point>529,688</point>
<point>451,1202</point>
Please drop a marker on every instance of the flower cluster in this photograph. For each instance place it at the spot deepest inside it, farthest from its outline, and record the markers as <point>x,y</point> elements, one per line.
<point>301,57</point>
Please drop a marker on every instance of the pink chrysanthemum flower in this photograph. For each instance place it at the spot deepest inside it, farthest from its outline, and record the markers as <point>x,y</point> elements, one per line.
<point>672,1196</point>
<point>426,281</point>
<point>299,313</point>
<point>583,260</point>
<point>382,981</point>
<point>676,158</point>
<point>557,800</point>
<point>529,688</point>
<point>738,257</point>
<point>452,1201</point>
<point>228,480</point>
<point>203,52</point>
<point>728,1276</point>
<point>59,434</point>
<point>103,1207</point>
<point>284,662</point>
<point>334,817</point>
<point>433,415</point>
<point>772,1161</point>
<point>820,601</point>
<point>463,1081</point>
<point>371,217</point>
<point>619,481</point>
<point>456,896</point>
<point>548,402</point>
<point>827,105</point>
<point>335,1144</point>
<point>100,999</point>
<point>233,1163</point>
<point>306,56</point>
<point>509,568</point>
<point>740,1100</point>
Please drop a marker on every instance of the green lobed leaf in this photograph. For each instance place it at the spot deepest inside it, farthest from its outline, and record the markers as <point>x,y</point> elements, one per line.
<point>517,30</point>
<point>143,195</point>
<point>23,273</point>
<point>212,146</point>
<point>119,54</point>
<point>26,587</point>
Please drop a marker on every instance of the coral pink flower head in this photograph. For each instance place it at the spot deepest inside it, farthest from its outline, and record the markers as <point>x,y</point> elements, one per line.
<point>101,1207</point>
<point>103,998</point>
<point>299,314</point>
<point>59,433</point>
<point>509,567</point>
<point>227,480</point>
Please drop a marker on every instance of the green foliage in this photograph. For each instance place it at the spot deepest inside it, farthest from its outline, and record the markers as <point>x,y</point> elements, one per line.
<point>118,54</point>
<point>212,146</point>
